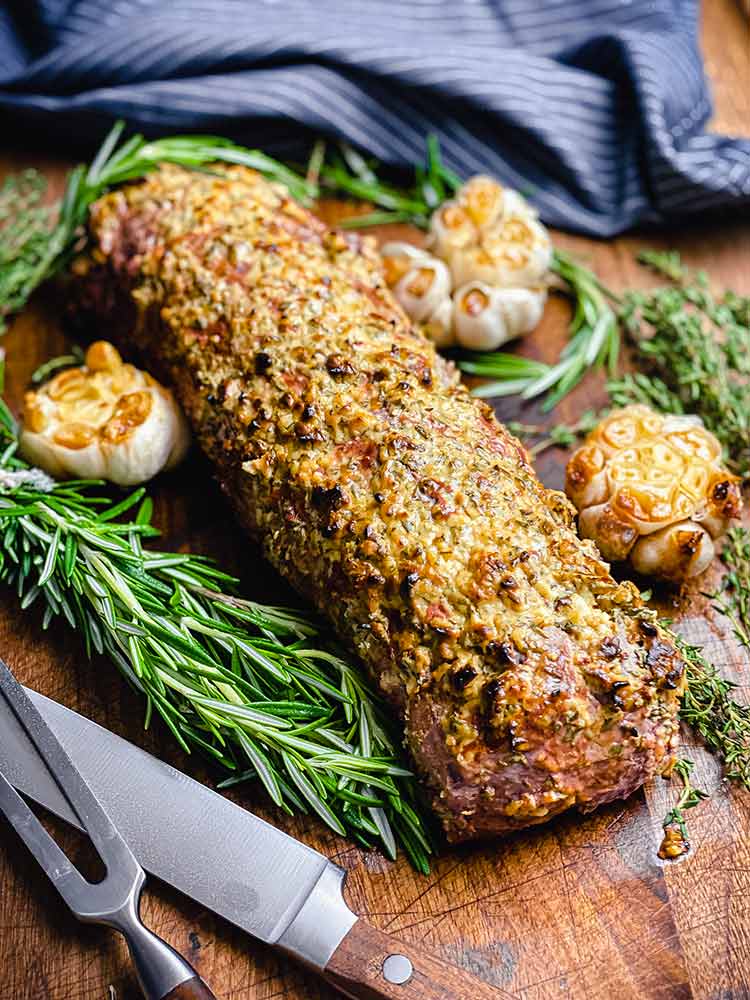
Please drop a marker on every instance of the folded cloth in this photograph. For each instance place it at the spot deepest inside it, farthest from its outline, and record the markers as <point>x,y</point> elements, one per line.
<point>596,108</point>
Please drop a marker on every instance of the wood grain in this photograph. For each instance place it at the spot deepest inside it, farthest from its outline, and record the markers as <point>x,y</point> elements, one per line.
<point>581,908</point>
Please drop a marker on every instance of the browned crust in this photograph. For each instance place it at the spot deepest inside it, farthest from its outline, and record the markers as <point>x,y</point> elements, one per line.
<point>389,497</point>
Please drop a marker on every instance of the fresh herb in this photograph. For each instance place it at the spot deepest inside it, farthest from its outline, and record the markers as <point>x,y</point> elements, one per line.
<point>33,249</point>
<point>637,387</point>
<point>709,708</point>
<point>346,172</point>
<point>695,352</point>
<point>258,689</point>
<point>25,223</point>
<point>732,599</point>
<point>558,436</point>
<point>676,842</point>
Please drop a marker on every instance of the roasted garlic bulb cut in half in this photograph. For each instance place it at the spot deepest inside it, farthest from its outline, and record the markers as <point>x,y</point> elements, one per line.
<point>651,488</point>
<point>491,233</point>
<point>103,420</point>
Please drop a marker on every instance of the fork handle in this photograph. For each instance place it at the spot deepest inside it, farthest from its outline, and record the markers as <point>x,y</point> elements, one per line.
<point>161,971</point>
<point>191,989</point>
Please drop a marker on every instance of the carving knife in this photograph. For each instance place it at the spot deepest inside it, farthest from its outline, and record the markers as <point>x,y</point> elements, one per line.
<point>269,884</point>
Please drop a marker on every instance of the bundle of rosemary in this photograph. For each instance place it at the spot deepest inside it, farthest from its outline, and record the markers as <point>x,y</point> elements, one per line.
<point>258,689</point>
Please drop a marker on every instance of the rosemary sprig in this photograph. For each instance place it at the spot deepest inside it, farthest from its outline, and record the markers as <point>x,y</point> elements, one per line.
<point>258,689</point>
<point>34,249</point>
<point>676,841</point>
<point>732,599</point>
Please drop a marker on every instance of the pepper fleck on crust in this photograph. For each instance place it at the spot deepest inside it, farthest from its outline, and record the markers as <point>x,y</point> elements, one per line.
<point>527,679</point>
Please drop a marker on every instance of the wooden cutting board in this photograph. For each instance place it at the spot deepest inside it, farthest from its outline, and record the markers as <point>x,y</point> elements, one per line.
<point>581,908</point>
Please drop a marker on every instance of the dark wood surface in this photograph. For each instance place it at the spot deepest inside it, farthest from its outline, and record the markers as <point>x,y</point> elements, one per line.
<point>581,908</point>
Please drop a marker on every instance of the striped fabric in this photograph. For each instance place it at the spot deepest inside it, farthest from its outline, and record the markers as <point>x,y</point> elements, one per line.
<point>596,107</point>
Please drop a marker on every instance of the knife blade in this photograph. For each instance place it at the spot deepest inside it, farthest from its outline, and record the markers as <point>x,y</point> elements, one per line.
<point>257,877</point>
<point>224,857</point>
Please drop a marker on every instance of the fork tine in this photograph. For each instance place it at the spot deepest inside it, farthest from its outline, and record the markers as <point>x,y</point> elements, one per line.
<point>56,864</point>
<point>111,847</point>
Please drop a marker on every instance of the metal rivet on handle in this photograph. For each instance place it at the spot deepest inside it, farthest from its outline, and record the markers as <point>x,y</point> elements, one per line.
<point>397,969</point>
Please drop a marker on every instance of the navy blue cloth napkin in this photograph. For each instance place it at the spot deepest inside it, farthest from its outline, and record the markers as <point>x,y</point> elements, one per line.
<point>596,107</point>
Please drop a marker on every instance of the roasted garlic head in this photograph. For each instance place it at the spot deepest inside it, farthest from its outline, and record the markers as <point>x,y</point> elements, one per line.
<point>485,281</point>
<point>104,420</point>
<point>490,233</point>
<point>651,488</point>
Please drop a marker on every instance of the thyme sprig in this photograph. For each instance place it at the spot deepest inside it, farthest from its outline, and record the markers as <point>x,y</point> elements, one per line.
<point>695,352</point>
<point>559,435</point>
<point>676,841</point>
<point>708,707</point>
<point>732,599</point>
<point>259,689</point>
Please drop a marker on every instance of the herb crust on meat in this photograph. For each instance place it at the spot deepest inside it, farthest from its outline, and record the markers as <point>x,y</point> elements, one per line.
<point>527,679</point>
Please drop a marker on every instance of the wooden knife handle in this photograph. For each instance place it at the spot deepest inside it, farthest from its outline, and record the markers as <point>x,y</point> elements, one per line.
<point>191,989</point>
<point>369,963</point>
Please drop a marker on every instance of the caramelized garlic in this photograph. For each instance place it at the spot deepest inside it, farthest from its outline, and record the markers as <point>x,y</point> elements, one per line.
<point>651,488</point>
<point>483,280</point>
<point>103,420</point>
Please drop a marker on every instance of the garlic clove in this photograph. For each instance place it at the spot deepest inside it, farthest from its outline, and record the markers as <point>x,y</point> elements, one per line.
<point>515,206</point>
<point>399,258</point>
<point>451,228</point>
<point>521,251</point>
<point>478,317</point>
<point>586,480</point>
<point>484,200</point>
<point>723,504</point>
<point>67,454</point>
<point>523,308</point>
<point>424,288</point>
<point>614,536</point>
<point>439,327</point>
<point>143,436</point>
<point>674,553</point>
